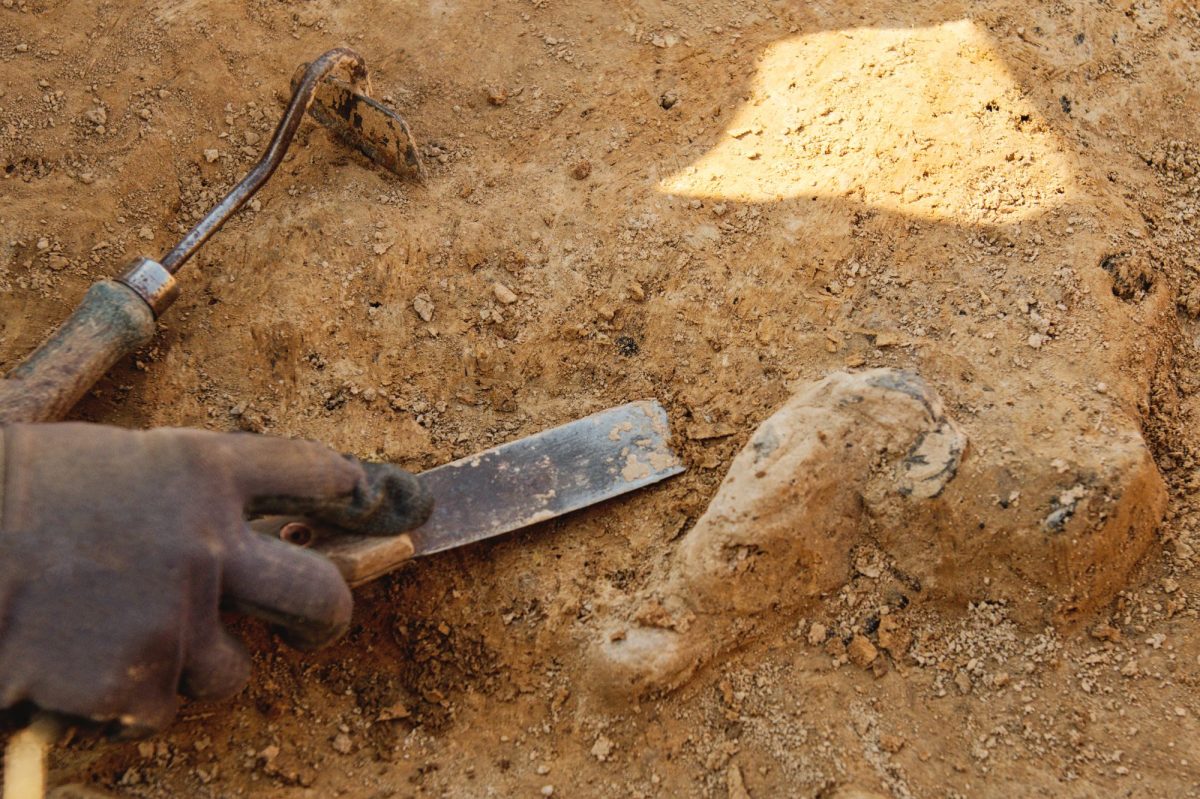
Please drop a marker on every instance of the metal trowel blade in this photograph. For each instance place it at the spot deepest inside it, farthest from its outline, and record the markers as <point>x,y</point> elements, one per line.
<point>546,475</point>
<point>511,486</point>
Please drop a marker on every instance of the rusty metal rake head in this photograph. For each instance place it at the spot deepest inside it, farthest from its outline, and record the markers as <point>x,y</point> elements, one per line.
<point>345,107</point>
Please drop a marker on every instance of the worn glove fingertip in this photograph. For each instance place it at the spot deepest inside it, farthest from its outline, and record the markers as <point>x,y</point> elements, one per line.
<point>312,637</point>
<point>386,502</point>
<point>144,722</point>
<point>404,503</point>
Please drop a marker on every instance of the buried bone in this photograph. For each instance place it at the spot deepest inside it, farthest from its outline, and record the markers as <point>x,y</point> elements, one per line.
<point>872,458</point>
<point>780,529</point>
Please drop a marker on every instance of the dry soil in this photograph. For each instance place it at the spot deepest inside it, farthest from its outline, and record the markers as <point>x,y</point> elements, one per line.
<point>707,204</point>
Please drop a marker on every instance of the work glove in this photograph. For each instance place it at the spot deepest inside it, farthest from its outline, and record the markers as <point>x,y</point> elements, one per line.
<point>117,547</point>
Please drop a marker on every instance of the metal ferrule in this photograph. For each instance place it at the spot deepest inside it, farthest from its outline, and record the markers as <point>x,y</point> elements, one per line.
<point>153,283</point>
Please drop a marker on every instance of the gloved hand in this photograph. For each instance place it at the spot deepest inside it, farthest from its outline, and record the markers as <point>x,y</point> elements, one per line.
<point>116,548</point>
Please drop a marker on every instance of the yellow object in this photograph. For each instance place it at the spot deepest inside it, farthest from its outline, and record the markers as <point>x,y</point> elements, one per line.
<point>25,758</point>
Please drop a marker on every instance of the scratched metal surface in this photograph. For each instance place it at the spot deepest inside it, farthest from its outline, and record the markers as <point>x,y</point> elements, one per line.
<point>555,472</point>
<point>374,129</point>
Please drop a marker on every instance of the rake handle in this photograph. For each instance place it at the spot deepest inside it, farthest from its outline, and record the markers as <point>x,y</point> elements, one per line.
<point>111,322</point>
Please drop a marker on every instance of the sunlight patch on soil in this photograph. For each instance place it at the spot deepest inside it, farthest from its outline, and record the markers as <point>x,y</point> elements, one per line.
<point>924,121</point>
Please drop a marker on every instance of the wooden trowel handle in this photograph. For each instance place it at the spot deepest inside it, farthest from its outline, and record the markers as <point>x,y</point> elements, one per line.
<point>359,558</point>
<point>111,322</point>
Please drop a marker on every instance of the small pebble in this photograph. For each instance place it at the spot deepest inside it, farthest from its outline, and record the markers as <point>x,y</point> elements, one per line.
<point>581,170</point>
<point>424,307</point>
<point>861,651</point>
<point>735,784</point>
<point>504,294</point>
<point>602,748</point>
<point>212,155</point>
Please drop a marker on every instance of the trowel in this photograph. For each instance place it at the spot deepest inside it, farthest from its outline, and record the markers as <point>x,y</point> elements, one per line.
<point>506,488</point>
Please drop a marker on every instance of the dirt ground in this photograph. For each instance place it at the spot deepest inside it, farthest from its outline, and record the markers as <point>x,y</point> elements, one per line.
<point>708,204</point>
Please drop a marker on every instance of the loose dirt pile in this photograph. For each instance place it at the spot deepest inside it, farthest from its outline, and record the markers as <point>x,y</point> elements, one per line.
<point>714,207</point>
